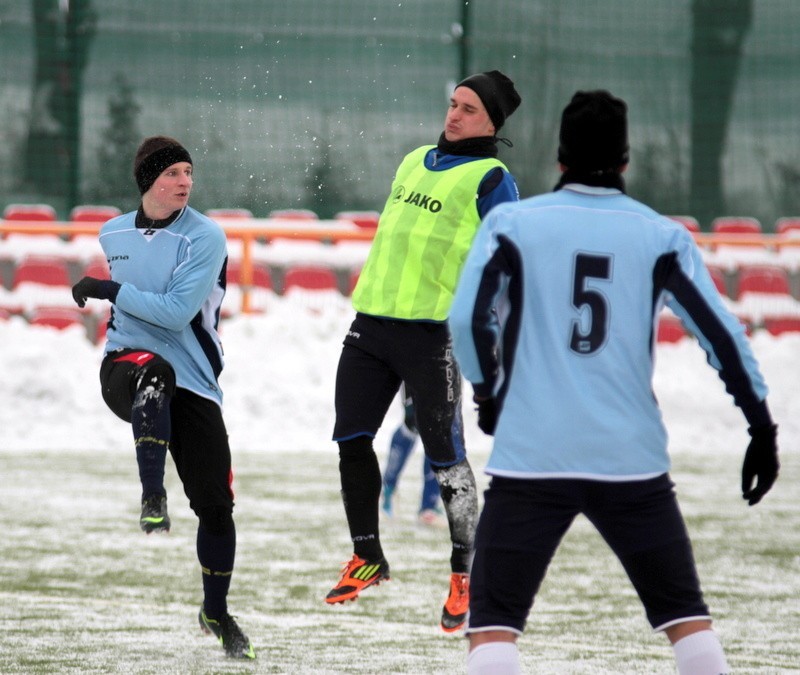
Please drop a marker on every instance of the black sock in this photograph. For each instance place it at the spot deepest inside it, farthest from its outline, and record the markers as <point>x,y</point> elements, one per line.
<point>361,489</point>
<point>151,457</point>
<point>216,553</point>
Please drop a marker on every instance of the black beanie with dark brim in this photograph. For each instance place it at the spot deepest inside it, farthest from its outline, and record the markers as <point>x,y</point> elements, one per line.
<point>594,132</point>
<point>496,92</point>
<point>154,155</point>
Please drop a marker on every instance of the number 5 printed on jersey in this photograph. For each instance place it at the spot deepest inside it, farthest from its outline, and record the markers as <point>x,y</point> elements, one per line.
<point>589,337</point>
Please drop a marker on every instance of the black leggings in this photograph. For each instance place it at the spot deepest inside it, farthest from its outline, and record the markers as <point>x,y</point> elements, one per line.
<point>378,355</point>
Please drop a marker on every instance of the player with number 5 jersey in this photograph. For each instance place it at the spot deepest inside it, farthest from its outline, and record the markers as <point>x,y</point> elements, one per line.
<point>554,322</point>
<point>578,344</point>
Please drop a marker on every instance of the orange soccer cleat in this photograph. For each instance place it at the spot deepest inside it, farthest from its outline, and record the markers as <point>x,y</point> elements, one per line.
<point>357,575</point>
<point>454,614</point>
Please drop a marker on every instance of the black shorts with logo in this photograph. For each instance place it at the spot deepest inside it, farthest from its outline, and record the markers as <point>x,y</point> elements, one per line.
<point>523,522</point>
<point>198,440</point>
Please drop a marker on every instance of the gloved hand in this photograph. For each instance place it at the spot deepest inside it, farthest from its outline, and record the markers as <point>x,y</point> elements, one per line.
<point>487,415</point>
<point>760,463</point>
<point>89,287</point>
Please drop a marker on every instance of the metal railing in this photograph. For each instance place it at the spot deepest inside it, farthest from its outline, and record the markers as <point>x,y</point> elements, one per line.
<point>330,232</point>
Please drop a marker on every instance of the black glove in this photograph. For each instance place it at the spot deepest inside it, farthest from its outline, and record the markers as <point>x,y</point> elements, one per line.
<point>487,415</point>
<point>89,287</point>
<point>760,463</point>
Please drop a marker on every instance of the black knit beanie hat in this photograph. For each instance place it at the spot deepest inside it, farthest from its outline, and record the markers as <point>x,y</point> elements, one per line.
<point>594,132</point>
<point>154,155</point>
<point>496,92</point>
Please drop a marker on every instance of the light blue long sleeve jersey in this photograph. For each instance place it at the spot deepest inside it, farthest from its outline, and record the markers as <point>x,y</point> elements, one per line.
<point>555,314</point>
<point>173,282</point>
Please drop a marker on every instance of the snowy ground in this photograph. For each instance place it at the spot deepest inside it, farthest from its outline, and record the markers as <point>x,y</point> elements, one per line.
<point>82,590</point>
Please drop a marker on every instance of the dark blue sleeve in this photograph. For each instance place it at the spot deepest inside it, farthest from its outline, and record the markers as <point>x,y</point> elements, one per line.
<point>497,187</point>
<point>696,302</point>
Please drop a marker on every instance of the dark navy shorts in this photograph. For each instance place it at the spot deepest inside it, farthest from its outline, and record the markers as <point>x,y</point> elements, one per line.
<point>523,522</point>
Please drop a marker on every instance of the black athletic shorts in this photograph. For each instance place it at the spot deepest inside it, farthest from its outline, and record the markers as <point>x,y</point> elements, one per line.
<point>378,355</point>
<point>198,441</point>
<point>523,522</point>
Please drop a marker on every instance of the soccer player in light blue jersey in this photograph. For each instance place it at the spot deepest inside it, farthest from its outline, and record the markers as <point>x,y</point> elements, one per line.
<point>553,323</point>
<point>162,360</point>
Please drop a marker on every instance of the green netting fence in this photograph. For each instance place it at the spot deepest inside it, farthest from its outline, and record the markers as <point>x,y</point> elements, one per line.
<point>311,103</point>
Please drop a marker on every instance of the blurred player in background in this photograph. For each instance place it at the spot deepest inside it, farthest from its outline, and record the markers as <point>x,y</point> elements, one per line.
<point>563,381</point>
<point>402,445</point>
<point>400,334</point>
<point>162,360</point>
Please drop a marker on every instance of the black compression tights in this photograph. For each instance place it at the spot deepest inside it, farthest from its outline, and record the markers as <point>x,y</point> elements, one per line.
<point>361,488</point>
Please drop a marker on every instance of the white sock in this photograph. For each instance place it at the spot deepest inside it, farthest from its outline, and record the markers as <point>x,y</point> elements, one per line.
<point>494,658</point>
<point>700,654</point>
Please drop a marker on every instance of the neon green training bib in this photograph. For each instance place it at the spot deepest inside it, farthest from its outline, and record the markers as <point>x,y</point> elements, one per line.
<point>425,232</point>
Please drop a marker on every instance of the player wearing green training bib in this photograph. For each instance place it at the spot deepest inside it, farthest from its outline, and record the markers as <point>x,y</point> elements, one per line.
<point>423,239</point>
<point>400,334</point>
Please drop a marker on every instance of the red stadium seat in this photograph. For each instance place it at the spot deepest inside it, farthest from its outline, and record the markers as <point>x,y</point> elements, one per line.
<point>238,214</point>
<point>718,277</point>
<point>56,317</point>
<point>689,222</point>
<point>784,225</point>
<point>310,277</point>
<point>13,308</point>
<point>100,331</point>
<point>98,268</point>
<point>353,280</point>
<point>293,214</point>
<point>366,219</point>
<point>93,213</point>
<point>261,275</point>
<point>670,329</point>
<point>736,225</point>
<point>101,326</point>
<point>30,213</point>
<point>763,279</point>
<point>777,325</point>
<point>7,264</point>
<point>45,270</point>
